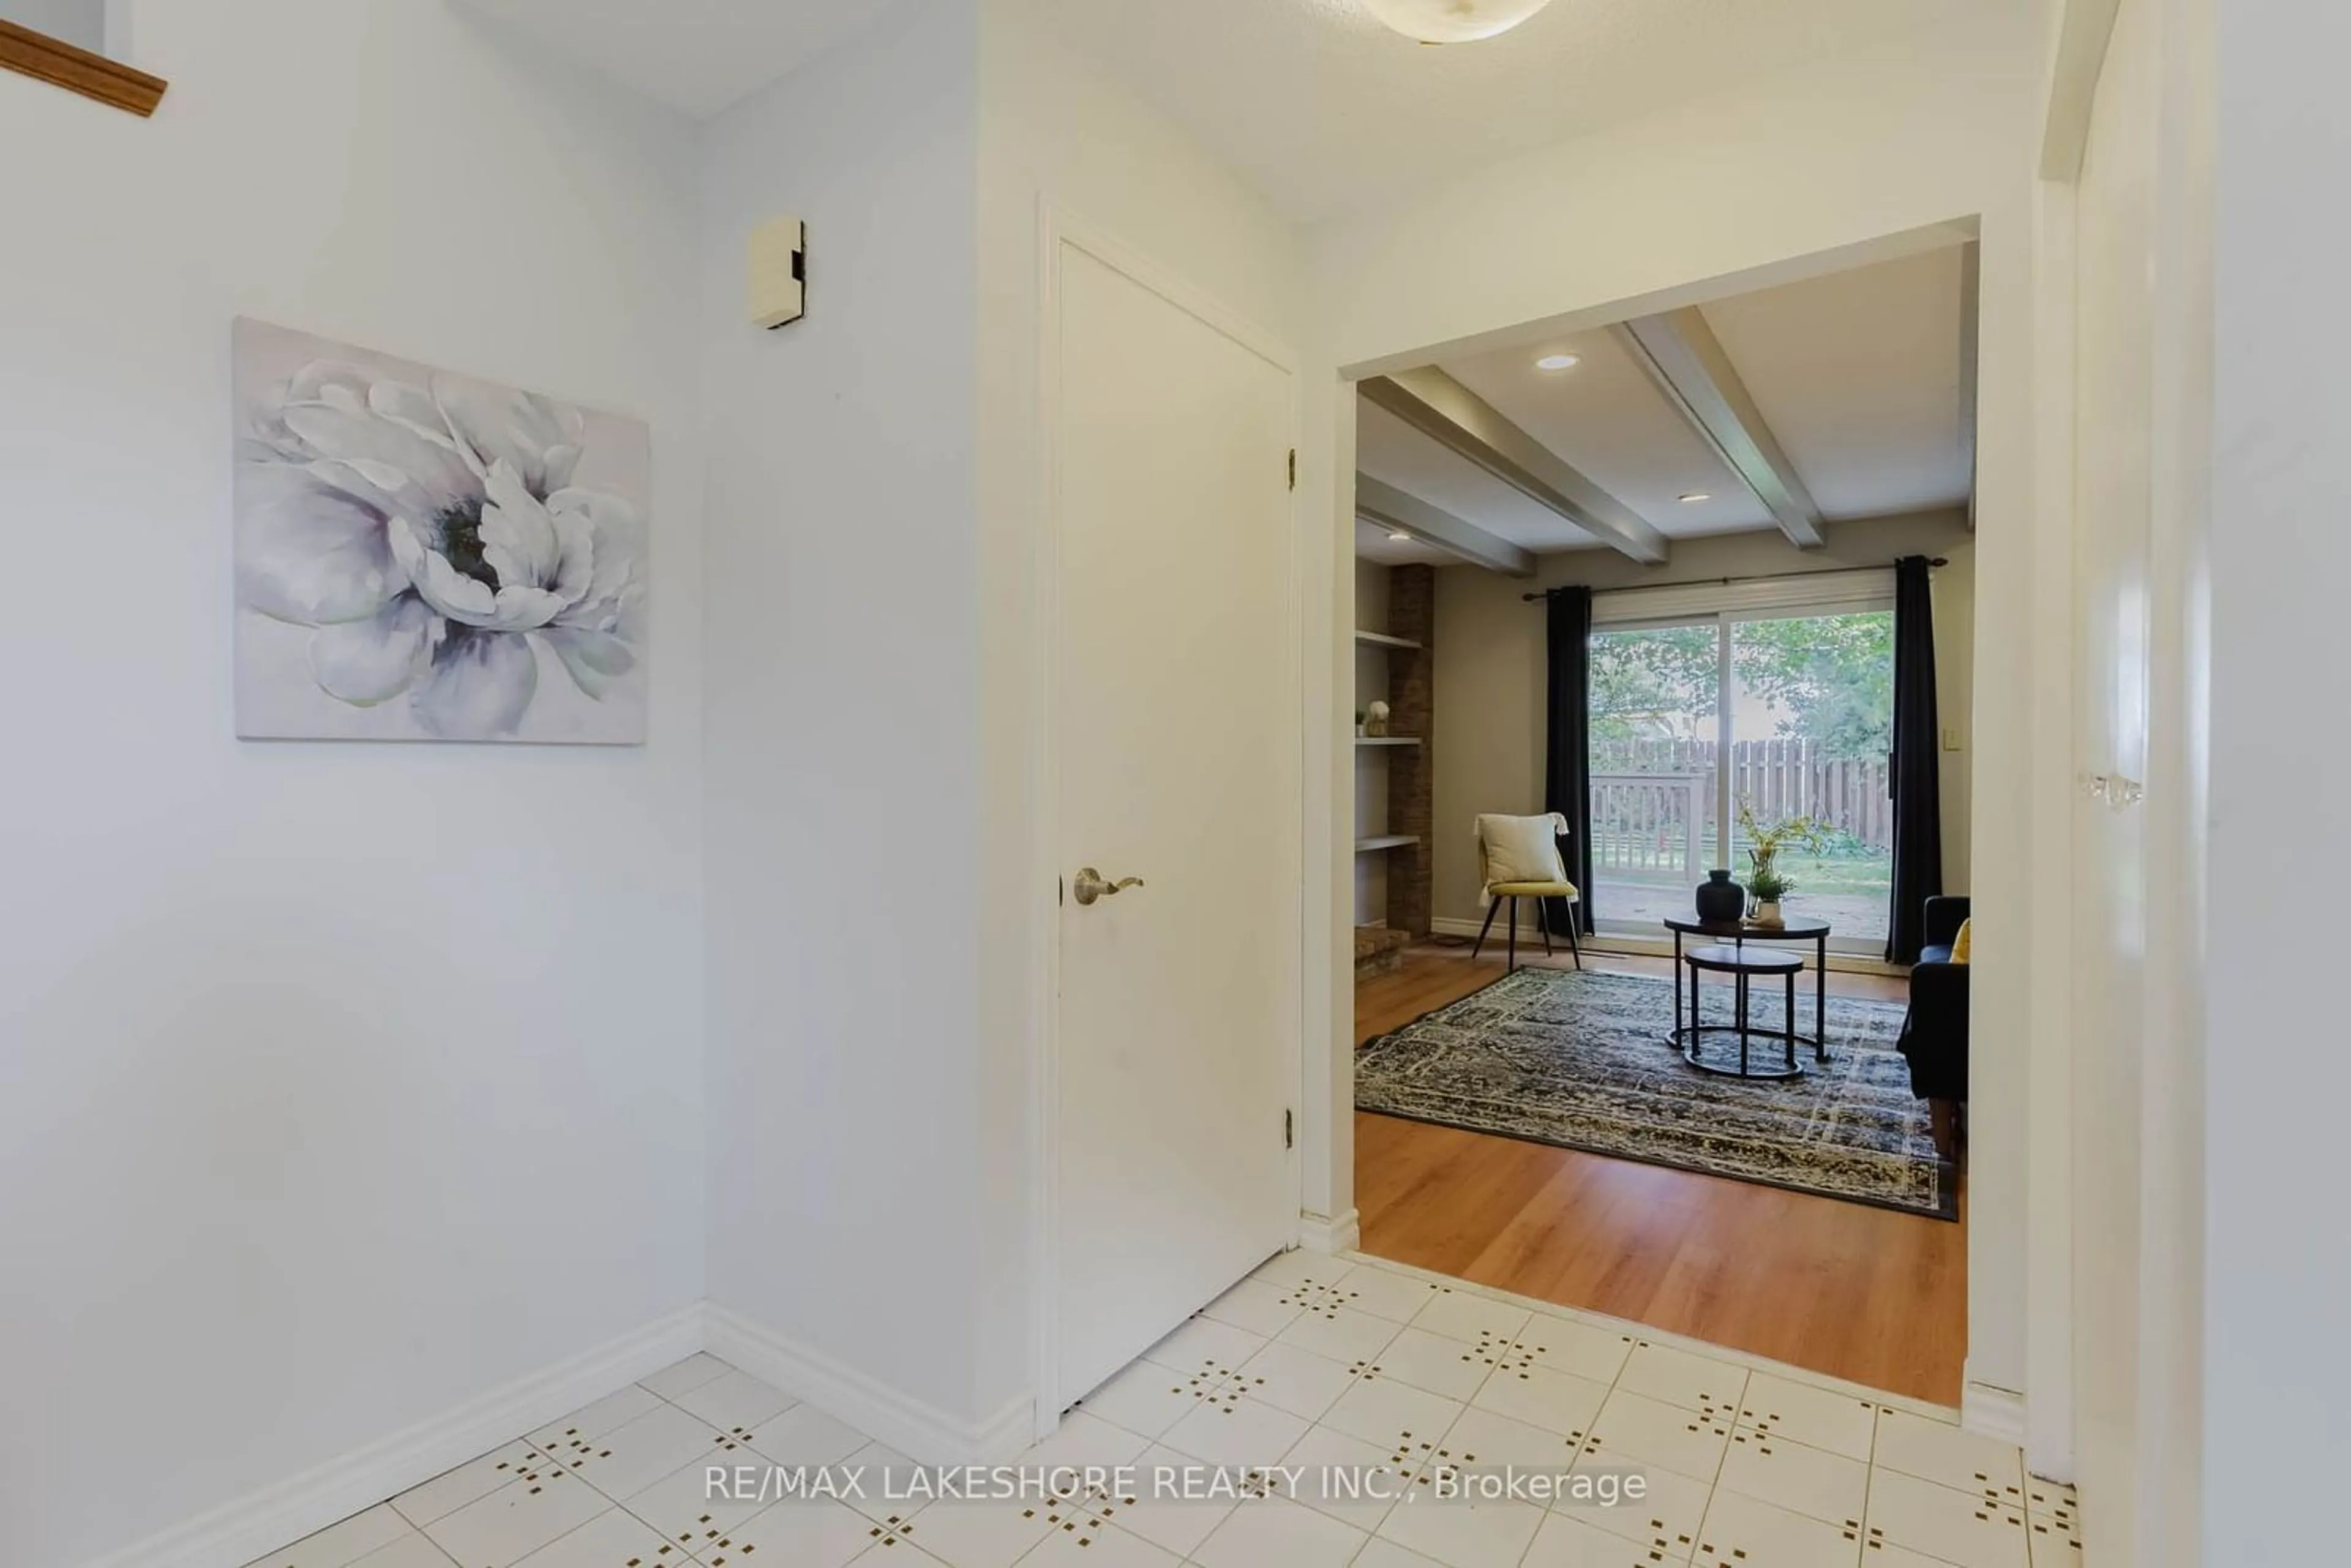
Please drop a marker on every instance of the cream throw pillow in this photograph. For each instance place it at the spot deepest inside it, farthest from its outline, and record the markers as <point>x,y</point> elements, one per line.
<point>1522,849</point>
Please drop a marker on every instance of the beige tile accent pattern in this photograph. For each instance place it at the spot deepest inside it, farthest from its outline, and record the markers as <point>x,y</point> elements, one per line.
<point>1337,1395</point>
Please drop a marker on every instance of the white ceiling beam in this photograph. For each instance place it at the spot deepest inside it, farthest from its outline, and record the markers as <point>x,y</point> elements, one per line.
<point>1465,423</point>
<point>1386,506</point>
<point>1683,356</point>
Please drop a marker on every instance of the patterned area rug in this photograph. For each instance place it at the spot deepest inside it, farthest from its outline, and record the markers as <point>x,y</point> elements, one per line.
<point>1580,1059</point>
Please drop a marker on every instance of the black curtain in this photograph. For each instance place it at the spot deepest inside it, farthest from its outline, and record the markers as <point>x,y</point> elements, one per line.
<point>1917,763</point>
<point>1567,754</point>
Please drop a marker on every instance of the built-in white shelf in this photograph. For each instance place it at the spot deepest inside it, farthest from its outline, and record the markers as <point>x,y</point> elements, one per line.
<point>1384,842</point>
<point>1387,740</point>
<point>1381,639</point>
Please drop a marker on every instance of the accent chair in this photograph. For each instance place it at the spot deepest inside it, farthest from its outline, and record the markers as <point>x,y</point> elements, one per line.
<point>1518,857</point>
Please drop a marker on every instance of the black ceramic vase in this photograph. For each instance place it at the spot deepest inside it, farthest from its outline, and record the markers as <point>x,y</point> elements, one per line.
<point>1720,901</point>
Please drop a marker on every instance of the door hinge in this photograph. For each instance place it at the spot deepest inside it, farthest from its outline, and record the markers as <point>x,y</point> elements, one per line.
<point>1288,1130</point>
<point>1293,468</point>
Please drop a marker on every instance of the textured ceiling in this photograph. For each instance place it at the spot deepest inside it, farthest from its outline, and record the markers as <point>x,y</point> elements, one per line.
<point>1857,373</point>
<point>1314,101</point>
<point>1609,421</point>
<point>1325,110</point>
<point>697,56</point>
<point>1373,543</point>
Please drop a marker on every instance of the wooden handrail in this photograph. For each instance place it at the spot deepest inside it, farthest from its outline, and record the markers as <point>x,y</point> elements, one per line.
<point>76,70</point>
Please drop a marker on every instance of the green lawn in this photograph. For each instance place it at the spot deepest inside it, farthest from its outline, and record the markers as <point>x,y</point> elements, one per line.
<point>1836,873</point>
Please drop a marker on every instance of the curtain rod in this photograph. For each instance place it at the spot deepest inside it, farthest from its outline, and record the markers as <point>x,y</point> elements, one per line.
<point>1729,581</point>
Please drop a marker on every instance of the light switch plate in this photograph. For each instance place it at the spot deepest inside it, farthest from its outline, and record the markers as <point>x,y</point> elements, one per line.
<point>777,271</point>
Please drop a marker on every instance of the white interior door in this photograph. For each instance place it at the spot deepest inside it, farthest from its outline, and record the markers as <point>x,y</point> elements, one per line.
<point>2115,325</point>
<point>1176,729</point>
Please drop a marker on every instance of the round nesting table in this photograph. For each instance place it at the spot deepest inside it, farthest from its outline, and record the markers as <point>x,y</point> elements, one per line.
<point>1737,933</point>
<point>1743,965</point>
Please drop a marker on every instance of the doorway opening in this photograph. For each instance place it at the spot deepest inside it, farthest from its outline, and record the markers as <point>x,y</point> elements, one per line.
<point>1637,605</point>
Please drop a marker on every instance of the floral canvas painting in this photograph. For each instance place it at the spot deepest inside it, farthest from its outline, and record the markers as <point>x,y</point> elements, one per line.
<point>425,555</point>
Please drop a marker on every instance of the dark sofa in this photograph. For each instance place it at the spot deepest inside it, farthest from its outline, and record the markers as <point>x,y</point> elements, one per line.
<point>1935,1034</point>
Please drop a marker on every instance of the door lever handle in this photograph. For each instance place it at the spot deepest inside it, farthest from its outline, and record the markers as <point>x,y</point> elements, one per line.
<point>1090,884</point>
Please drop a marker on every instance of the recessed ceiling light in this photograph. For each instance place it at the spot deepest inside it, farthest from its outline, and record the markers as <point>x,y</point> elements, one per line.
<point>1454,21</point>
<point>1400,537</point>
<point>1695,497</point>
<point>1559,362</point>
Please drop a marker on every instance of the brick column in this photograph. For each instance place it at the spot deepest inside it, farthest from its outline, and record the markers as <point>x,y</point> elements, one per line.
<point>1411,612</point>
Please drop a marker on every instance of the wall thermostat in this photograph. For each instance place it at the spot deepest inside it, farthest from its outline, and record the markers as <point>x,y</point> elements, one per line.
<point>778,273</point>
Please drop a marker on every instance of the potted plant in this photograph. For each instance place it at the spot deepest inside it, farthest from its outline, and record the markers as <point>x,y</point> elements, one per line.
<point>1359,723</point>
<point>1766,883</point>
<point>1768,888</point>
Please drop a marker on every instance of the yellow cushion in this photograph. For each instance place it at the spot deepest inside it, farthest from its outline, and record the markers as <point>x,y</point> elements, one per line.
<point>1533,890</point>
<point>1520,849</point>
<point>1959,942</point>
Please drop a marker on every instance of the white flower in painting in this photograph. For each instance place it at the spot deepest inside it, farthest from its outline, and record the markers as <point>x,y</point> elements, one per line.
<point>430,534</point>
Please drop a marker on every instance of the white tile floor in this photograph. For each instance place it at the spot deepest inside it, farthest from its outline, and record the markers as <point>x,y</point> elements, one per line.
<point>1328,1368</point>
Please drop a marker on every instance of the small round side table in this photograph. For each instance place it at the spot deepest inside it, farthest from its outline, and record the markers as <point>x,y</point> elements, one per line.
<point>1739,933</point>
<point>1743,965</point>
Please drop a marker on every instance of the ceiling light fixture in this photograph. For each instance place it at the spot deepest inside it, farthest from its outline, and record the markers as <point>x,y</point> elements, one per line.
<point>1695,497</point>
<point>1453,21</point>
<point>1559,362</point>
<point>1400,537</point>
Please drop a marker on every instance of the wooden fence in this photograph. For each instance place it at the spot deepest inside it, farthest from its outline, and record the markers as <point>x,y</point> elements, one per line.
<point>1652,800</point>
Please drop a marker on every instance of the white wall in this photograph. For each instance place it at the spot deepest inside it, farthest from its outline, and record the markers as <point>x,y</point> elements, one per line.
<point>77,21</point>
<point>1493,684</point>
<point>503,990</point>
<point>2275,1268</point>
<point>845,812</point>
<point>1717,197</point>
<point>341,1083</point>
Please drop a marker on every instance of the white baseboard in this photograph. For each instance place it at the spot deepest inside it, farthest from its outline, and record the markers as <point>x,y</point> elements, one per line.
<point>920,1431</point>
<point>1446,926</point>
<point>1329,1233</point>
<point>1993,1411</point>
<point>237,1532</point>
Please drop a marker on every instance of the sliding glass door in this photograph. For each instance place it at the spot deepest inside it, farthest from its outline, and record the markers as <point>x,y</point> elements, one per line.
<point>1789,715</point>
<point>1811,710</point>
<point>1656,802</point>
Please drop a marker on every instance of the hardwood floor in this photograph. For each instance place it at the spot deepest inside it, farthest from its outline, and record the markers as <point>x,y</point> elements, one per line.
<point>1855,1292</point>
